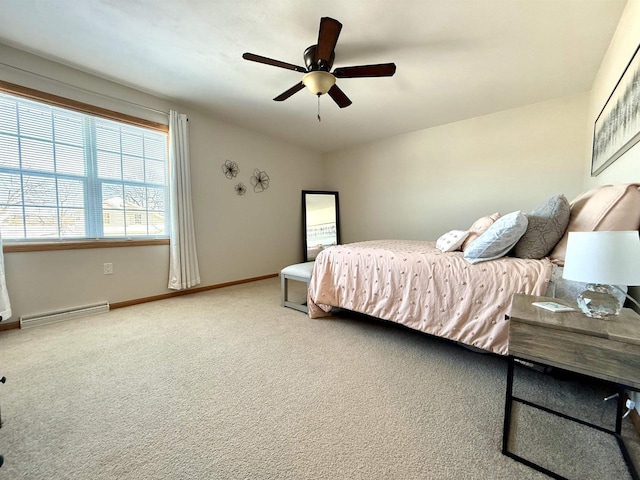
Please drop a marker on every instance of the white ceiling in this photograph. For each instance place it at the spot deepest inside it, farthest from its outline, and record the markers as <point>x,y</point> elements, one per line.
<point>455,59</point>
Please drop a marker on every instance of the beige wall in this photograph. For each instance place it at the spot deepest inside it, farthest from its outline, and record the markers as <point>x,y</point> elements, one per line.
<point>237,236</point>
<point>625,41</point>
<point>422,184</point>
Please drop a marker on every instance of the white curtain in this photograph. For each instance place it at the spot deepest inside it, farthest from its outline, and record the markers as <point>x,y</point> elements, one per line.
<point>5,306</point>
<point>183,268</point>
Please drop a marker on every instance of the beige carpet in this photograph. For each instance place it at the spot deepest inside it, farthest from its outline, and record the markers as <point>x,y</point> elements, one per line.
<point>229,385</point>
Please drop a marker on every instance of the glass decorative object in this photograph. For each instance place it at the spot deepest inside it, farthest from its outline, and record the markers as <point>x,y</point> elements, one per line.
<point>598,301</point>
<point>603,260</point>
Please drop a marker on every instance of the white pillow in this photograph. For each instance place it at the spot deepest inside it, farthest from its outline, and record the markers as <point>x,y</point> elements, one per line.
<point>498,239</point>
<point>452,241</point>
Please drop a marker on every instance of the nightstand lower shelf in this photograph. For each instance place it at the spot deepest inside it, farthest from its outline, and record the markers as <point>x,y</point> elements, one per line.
<point>510,399</point>
<point>606,350</point>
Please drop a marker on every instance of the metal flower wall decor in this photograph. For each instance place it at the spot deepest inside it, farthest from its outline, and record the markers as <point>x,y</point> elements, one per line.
<point>259,180</point>
<point>241,188</point>
<point>230,169</point>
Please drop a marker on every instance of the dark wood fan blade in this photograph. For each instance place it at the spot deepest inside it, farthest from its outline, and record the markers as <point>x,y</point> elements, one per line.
<point>327,38</point>
<point>283,96</point>
<point>380,70</point>
<point>270,61</point>
<point>339,97</point>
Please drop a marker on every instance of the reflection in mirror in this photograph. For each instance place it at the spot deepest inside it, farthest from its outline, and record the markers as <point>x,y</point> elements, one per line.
<point>320,220</point>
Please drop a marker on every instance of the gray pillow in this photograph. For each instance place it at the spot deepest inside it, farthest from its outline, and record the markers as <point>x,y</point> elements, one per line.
<point>499,238</point>
<point>547,225</point>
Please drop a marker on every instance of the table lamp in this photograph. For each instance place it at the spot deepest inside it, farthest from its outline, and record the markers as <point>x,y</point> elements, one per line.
<point>603,260</point>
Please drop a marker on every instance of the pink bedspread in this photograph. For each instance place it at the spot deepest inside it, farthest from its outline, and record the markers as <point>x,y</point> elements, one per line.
<point>413,283</point>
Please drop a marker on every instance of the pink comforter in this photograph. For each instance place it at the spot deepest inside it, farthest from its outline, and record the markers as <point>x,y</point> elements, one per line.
<point>413,283</point>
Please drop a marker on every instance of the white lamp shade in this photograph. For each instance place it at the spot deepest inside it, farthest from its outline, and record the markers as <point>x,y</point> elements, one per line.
<point>319,82</point>
<point>607,258</point>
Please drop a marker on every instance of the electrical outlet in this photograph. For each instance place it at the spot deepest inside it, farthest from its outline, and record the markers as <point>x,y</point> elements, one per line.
<point>108,268</point>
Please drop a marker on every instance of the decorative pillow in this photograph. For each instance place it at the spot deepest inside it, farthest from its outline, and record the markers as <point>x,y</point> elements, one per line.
<point>498,239</point>
<point>608,207</point>
<point>451,241</point>
<point>478,228</point>
<point>547,225</point>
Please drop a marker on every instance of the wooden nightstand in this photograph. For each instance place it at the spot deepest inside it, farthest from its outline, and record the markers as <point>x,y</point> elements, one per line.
<point>605,349</point>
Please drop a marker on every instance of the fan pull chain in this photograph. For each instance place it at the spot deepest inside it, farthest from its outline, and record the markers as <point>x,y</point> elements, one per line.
<point>319,119</point>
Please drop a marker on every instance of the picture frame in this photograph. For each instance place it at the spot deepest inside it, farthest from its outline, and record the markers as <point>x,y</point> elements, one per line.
<point>617,127</point>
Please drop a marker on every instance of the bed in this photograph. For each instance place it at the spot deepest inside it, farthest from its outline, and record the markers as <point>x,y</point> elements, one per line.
<point>460,287</point>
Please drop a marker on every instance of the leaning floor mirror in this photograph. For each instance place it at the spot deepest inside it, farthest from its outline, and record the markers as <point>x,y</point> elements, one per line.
<point>320,221</point>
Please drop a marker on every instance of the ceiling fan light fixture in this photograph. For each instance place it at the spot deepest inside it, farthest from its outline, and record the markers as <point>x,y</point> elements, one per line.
<point>319,59</point>
<point>319,82</point>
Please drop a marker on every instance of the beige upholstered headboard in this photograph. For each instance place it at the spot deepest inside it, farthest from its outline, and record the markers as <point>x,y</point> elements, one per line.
<point>608,207</point>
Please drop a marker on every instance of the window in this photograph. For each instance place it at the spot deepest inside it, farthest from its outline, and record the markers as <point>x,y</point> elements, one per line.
<point>69,175</point>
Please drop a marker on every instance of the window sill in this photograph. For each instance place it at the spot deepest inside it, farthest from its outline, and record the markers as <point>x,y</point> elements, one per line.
<point>14,247</point>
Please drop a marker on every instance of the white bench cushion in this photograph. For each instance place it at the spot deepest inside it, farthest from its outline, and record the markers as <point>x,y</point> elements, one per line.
<point>301,270</point>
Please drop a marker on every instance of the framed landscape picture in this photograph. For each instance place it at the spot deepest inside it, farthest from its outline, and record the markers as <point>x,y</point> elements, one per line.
<point>617,128</point>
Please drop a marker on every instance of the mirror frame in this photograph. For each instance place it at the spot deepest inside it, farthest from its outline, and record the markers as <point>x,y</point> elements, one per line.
<point>304,217</point>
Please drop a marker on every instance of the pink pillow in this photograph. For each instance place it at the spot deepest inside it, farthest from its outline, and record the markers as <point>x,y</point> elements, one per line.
<point>478,228</point>
<point>608,207</point>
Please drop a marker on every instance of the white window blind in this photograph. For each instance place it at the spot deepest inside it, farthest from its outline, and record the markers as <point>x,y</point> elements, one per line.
<point>65,175</point>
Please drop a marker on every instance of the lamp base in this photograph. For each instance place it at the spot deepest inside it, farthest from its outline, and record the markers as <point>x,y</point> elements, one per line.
<point>598,301</point>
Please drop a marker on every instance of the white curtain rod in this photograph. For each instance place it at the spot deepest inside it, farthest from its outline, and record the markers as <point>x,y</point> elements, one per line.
<point>85,90</point>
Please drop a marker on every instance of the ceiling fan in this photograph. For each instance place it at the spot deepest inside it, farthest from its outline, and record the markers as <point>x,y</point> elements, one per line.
<point>319,60</point>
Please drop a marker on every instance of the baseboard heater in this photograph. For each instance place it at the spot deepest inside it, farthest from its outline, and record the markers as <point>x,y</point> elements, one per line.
<point>38,319</point>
